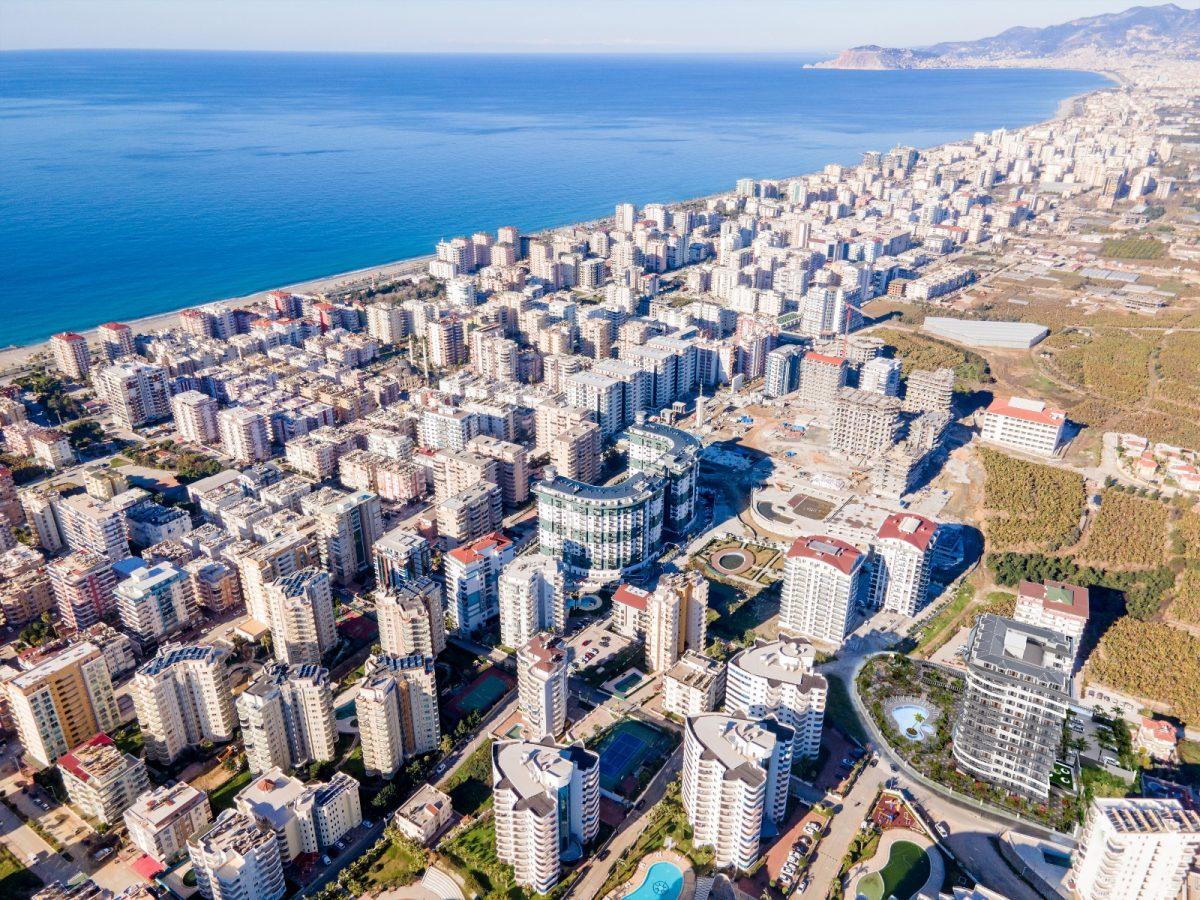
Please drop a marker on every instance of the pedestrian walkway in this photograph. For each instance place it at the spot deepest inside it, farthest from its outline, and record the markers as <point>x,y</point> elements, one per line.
<point>441,884</point>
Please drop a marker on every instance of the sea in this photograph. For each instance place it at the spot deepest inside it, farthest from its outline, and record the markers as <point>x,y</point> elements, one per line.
<point>134,183</point>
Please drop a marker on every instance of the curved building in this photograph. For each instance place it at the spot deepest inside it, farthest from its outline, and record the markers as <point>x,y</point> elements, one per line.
<point>776,679</point>
<point>673,454</point>
<point>601,533</point>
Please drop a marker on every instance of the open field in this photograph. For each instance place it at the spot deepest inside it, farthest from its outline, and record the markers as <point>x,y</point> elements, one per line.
<point>1028,504</point>
<point>1128,532</point>
<point>1132,247</point>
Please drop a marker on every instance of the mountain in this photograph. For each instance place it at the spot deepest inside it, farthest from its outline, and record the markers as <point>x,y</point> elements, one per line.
<point>1160,31</point>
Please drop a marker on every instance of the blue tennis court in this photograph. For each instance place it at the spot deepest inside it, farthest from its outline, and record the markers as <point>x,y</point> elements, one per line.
<point>623,752</point>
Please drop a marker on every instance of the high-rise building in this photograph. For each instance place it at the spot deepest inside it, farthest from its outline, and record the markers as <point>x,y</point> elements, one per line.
<point>823,579</point>
<point>513,471</point>
<point>347,529</point>
<point>1134,847</point>
<point>235,859</point>
<point>929,390</point>
<point>286,716</point>
<point>215,584</point>
<point>62,702</point>
<point>776,679</point>
<point>1029,426</point>
<point>301,617</point>
<point>547,807</point>
<point>821,377</point>
<point>575,452</point>
<point>136,391</point>
<point>470,514</point>
<point>1055,605</point>
<point>694,685</point>
<point>259,566</point>
<point>116,340</point>
<point>195,417</point>
<point>735,783</point>
<point>101,781</point>
<point>397,711</point>
<point>532,598</point>
<point>472,574</point>
<point>412,618</point>
<point>783,370</point>
<point>245,435</point>
<point>182,698</point>
<point>904,548</point>
<point>880,375</point>
<point>387,323</point>
<point>542,684</point>
<point>83,584</point>
<point>86,523</point>
<point>155,602</point>
<point>672,454</point>
<point>446,343</point>
<point>865,423</point>
<point>600,532</point>
<point>161,820</point>
<point>305,818</point>
<point>71,356</point>
<point>669,620</point>
<point>1009,728</point>
<point>401,555</point>
<point>600,395</point>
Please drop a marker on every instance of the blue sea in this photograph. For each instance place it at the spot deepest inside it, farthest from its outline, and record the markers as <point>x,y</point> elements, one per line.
<point>133,183</point>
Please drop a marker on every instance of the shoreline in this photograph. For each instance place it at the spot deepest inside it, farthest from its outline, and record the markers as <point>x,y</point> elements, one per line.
<point>14,359</point>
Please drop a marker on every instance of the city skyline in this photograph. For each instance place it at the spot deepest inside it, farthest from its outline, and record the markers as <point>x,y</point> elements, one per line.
<point>531,26</point>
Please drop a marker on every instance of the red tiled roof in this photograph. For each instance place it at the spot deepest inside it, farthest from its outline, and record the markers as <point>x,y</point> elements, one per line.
<point>70,761</point>
<point>469,553</point>
<point>908,527</point>
<point>115,326</point>
<point>823,358</point>
<point>1079,607</point>
<point>1161,730</point>
<point>631,596</point>
<point>68,336</point>
<point>1048,415</point>
<point>829,550</point>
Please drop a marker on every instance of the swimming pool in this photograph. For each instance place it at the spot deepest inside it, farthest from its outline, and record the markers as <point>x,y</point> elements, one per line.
<point>663,881</point>
<point>913,721</point>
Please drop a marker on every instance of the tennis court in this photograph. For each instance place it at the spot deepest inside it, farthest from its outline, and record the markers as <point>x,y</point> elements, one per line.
<point>625,750</point>
<point>481,694</point>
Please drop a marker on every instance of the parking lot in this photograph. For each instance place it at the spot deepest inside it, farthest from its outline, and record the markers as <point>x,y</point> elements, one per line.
<point>594,647</point>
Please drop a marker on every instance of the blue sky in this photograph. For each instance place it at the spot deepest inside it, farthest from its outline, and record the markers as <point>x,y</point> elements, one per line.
<point>523,26</point>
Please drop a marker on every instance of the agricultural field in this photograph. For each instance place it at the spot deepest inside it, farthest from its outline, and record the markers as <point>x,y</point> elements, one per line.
<point>1028,504</point>
<point>1178,368</point>
<point>1186,603</point>
<point>1107,363</point>
<point>1129,532</point>
<point>1132,247</point>
<point>918,353</point>
<point>1151,660</point>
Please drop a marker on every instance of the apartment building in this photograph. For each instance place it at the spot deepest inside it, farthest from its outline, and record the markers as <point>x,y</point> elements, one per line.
<point>287,719</point>
<point>161,820</point>
<point>301,617</point>
<point>532,597</point>
<point>1055,605</point>
<point>546,807</point>
<point>694,685</point>
<point>669,620</point>
<point>472,574</point>
<point>397,709</point>
<point>182,699</point>
<point>454,471</point>
<point>245,435</point>
<point>904,546</point>
<point>235,859</point>
<point>215,584</point>
<point>513,467</point>
<point>258,566</point>
<point>575,452</point>
<point>102,781</point>
<point>823,580</point>
<point>821,378</point>
<point>930,390</point>
<point>447,429</point>
<point>865,423</point>
<point>601,396</point>
<point>71,355</point>
<point>83,584</point>
<point>1134,848</point>
<point>1017,694</point>
<point>399,556</point>
<point>318,453</point>
<point>424,815</point>
<point>195,416</point>
<point>347,528</point>
<point>305,818</point>
<point>1028,426</point>
<point>735,783</point>
<point>783,370</point>
<point>542,684</point>
<point>136,391</point>
<point>775,679</point>
<point>470,514</point>
<point>446,343</point>
<point>155,602</point>
<point>62,702</point>
<point>412,618</point>
<point>116,340</point>
<point>86,523</point>
<point>673,455</point>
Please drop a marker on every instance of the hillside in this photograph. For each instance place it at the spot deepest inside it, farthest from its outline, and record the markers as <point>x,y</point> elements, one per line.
<point>1159,31</point>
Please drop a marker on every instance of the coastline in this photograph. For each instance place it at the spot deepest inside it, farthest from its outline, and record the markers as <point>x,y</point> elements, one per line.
<point>15,359</point>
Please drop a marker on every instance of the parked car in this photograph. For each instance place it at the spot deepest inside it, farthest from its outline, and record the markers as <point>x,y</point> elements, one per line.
<point>325,860</point>
<point>943,829</point>
<point>802,886</point>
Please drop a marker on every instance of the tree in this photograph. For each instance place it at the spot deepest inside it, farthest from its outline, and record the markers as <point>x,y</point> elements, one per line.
<point>84,435</point>
<point>39,631</point>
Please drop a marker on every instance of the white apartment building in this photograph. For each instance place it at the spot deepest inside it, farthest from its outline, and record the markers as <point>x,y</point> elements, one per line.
<point>195,417</point>
<point>102,781</point>
<point>775,679</point>
<point>136,391</point>
<point>823,579</point>
<point>116,340</point>
<point>399,556</point>
<point>904,548</point>
<point>1055,605</point>
<point>83,584</point>
<point>472,576</point>
<point>694,685</point>
<point>86,523</point>
<point>287,719</point>
<point>182,699</point>
<point>1134,848</point>
<point>305,818</point>
<point>62,702</point>
<point>301,617</point>
<point>235,859</point>
<point>161,820</point>
<point>735,783</point>
<point>155,602</point>
<point>1029,426</point>
<point>546,809</point>
<point>669,620</point>
<point>347,528</point>
<point>423,815</point>
<point>397,708</point>
<point>880,376</point>
<point>542,684</point>
<point>532,597</point>
<point>245,435</point>
<point>411,618</point>
<point>71,356</point>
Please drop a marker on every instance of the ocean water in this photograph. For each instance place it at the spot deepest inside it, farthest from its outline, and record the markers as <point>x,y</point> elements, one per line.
<point>133,183</point>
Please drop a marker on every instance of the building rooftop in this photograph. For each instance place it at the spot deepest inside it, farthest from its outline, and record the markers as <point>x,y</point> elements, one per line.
<point>1142,815</point>
<point>741,745</point>
<point>695,670</point>
<point>910,528</point>
<point>829,550</point>
<point>425,806</point>
<point>788,660</point>
<point>636,487</point>
<point>71,656</point>
<point>157,806</point>
<point>1027,652</point>
<point>1030,410</point>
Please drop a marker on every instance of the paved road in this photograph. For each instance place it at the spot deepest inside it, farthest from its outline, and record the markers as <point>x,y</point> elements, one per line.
<point>31,850</point>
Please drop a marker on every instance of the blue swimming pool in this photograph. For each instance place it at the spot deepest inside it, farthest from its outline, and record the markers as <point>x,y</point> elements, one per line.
<point>663,881</point>
<point>913,721</point>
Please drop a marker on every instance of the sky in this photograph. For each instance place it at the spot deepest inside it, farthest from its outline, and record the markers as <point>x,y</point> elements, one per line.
<point>522,26</point>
